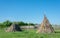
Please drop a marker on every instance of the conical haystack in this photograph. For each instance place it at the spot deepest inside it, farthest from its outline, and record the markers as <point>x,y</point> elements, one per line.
<point>14,27</point>
<point>45,26</point>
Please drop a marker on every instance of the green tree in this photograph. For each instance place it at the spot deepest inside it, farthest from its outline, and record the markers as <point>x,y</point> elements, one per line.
<point>7,23</point>
<point>21,23</point>
<point>31,24</point>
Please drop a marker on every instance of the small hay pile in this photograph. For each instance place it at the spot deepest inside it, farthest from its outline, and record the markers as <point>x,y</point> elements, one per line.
<point>14,27</point>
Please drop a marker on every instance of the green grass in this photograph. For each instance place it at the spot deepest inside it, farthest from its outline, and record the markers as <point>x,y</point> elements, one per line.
<point>27,34</point>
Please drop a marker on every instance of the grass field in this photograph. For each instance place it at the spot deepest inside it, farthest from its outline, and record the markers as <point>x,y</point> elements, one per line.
<point>27,34</point>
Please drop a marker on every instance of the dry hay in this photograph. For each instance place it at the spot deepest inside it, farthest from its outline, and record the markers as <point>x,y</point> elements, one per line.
<point>14,27</point>
<point>45,26</point>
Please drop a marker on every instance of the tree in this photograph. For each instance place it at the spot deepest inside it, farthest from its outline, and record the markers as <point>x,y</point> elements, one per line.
<point>7,23</point>
<point>31,24</point>
<point>22,23</point>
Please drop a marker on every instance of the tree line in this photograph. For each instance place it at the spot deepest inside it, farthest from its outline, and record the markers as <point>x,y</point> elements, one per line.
<point>8,23</point>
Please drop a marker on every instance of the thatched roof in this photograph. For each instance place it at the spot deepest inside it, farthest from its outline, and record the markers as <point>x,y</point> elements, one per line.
<point>14,27</point>
<point>45,26</point>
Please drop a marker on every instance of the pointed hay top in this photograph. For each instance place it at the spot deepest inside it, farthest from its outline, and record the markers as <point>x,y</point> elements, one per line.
<point>45,18</point>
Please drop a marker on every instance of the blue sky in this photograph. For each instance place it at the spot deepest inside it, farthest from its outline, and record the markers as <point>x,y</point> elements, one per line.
<point>30,10</point>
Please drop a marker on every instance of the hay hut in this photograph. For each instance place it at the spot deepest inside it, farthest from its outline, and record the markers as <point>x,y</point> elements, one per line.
<point>14,27</point>
<point>45,26</point>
